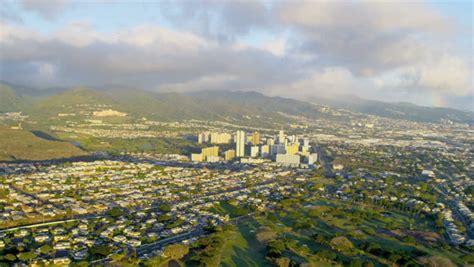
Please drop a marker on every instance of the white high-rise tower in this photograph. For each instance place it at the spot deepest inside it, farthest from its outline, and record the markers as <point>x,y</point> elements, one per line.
<point>281,137</point>
<point>240,144</point>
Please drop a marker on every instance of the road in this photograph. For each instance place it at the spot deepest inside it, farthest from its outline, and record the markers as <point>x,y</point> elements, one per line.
<point>39,225</point>
<point>158,245</point>
<point>96,216</point>
<point>325,162</point>
<point>452,205</point>
<point>148,248</point>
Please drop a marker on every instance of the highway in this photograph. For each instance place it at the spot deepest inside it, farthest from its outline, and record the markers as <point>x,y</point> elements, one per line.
<point>325,162</point>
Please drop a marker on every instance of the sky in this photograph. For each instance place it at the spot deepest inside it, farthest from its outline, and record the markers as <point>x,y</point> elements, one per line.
<point>419,52</point>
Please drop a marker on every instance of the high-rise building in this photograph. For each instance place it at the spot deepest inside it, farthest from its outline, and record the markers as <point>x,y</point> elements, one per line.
<point>240,144</point>
<point>210,151</point>
<point>281,137</point>
<point>304,149</point>
<point>292,138</point>
<point>264,151</point>
<point>277,149</point>
<point>292,149</point>
<point>288,160</point>
<point>255,138</point>
<point>270,141</point>
<point>306,142</point>
<point>196,157</point>
<point>312,158</point>
<point>254,151</point>
<point>212,159</point>
<point>203,137</point>
<point>229,155</point>
<point>220,138</point>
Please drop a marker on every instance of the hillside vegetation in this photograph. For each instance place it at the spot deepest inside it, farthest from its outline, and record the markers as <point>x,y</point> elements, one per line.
<point>212,105</point>
<point>400,110</point>
<point>206,105</point>
<point>10,100</point>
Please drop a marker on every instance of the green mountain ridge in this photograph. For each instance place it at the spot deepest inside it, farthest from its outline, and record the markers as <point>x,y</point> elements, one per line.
<point>73,100</point>
<point>215,105</point>
<point>401,110</point>
<point>205,105</point>
<point>10,101</point>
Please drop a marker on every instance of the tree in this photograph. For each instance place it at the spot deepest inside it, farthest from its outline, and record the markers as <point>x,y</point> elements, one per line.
<point>282,262</point>
<point>164,218</point>
<point>10,257</point>
<point>394,257</point>
<point>327,254</point>
<point>355,263</point>
<point>320,238</point>
<point>165,208</point>
<point>342,244</point>
<point>271,217</point>
<point>46,249</point>
<point>116,212</point>
<point>265,235</point>
<point>275,248</point>
<point>80,264</point>
<point>409,239</point>
<point>4,193</point>
<point>101,250</point>
<point>176,251</point>
<point>27,256</point>
<point>436,261</point>
<point>470,190</point>
<point>468,258</point>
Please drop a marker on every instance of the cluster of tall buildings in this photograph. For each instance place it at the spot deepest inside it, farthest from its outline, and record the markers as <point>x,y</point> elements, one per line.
<point>253,147</point>
<point>214,138</point>
<point>208,154</point>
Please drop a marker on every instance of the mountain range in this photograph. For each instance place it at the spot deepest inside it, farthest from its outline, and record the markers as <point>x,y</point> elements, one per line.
<point>212,105</point>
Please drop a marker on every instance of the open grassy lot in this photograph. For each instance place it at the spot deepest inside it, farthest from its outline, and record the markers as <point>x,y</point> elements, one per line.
<point>242,247</point>
<point>224,208</point>
<point>156,145</point>
<point>23,145</point>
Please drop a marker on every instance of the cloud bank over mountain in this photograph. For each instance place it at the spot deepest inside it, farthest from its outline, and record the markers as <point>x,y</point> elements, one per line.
<point>380,50</point>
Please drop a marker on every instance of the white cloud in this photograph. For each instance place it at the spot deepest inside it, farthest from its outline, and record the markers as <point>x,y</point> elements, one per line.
<point>363,16</point>
<point>450,75</point>
<point>215,82</point>
<point>143,56</point>
<point>367,37</point>
<point>47,9</point>
<point>148,35</point>
<point>10,33</point>
<point>223,21</point>
<point>324,82</point>
<point>46,72</point>
<point>371,49</point>
<point>276,46</point>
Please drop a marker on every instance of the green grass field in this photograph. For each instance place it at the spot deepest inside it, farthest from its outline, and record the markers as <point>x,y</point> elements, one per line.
<point>243,249</point>
<point>23,145</point>
<point>336,218</point>
<point>156,145</point>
